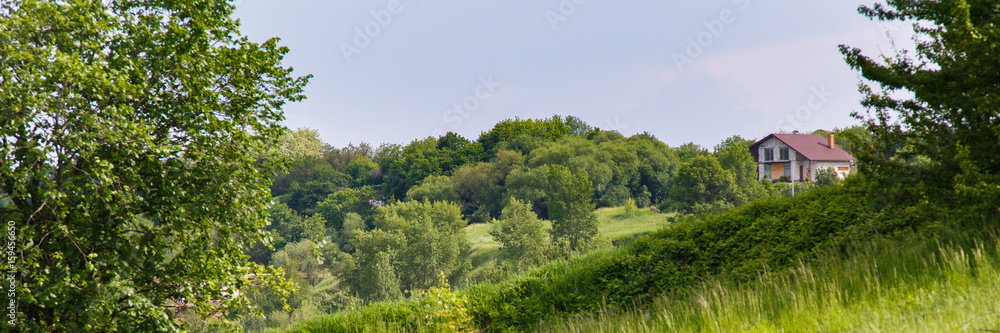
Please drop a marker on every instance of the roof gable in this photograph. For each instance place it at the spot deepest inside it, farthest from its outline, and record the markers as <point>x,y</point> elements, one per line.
<point>814,147</point>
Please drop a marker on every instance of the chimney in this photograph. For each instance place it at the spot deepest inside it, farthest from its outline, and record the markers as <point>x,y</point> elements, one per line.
<point>830,137</point>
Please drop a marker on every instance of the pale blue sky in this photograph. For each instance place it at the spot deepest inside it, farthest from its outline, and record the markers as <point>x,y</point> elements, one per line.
<point>755,66</point>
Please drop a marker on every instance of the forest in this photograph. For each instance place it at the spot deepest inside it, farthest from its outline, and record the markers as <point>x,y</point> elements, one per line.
<point>359,224</point>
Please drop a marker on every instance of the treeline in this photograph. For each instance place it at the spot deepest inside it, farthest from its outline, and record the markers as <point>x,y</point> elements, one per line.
<point>359,224</point>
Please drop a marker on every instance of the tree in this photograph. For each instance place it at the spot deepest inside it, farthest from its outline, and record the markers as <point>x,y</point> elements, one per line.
<point>480,187</point>
<point>300,143</point>
<point>574,224</point>
<point>521,236</point>
<point>362,171</point>
<point>376,256</point>
<point>433,188</point>
<point>734,156</point>
<point>529,185</point>
<point>948,116</point>
<point>353,224</point>
<point>702,185</point>
<point>136,147</point>
<point>551,129</point>
<point>335,207</point>
<point>422,239</point>
<point>827,177</point>
<point>292,227</point>
<point>630,208</point>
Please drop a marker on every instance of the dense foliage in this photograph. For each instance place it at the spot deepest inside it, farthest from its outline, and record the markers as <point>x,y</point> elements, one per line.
<point>135,150</point>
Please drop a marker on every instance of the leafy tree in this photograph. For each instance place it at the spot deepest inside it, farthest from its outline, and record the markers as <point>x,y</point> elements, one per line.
<point>657,167</point>
<point>827,177</point>
<point>362,172</point>
<point>948,115</point>
<point>420,238</point>
<point>335,207</point>
<point>734,156</point>
<point>299,261</point>
<point>306,169</point>
<point>136,146</point>
<point>630,208</point>
<point>574,224</point>
<point>521,236</point>
<point>341,158</point>
<point>643,198</point>
<point>480,188</point>
<point>303,198</point>
<point>702,185</point>
<point>529,185</point>
<point>550,129</point>
<point>614,196</point>
<point>429,157</point>
<point>433,188</point>
<point>352,225</point>
<point>376,277</point>
<point>688,151</point>
<point>577,126</point>
<point>292,227</point>
<point>300,143</point>
<point>578,154</point>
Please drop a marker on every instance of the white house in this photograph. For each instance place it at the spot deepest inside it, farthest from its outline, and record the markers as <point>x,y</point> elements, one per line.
<point>799,156</point>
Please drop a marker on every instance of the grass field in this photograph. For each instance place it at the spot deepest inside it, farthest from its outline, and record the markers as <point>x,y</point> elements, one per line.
<point>612,226</point>
<point>890,286</point>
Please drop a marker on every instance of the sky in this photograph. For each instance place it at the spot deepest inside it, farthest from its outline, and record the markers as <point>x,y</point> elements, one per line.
<point>685,71</point>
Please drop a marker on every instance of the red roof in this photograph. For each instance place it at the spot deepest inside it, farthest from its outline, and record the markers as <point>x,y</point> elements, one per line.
<point>814,147</point>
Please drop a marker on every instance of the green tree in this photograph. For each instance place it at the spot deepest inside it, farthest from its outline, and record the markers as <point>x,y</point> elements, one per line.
<point>376,256</point>
<point>136,146</point>
<point>702,185</point>
<point>353,224</point>
<point>551,129</point>
<point>433,188</point>
<point>521,236</point>
<point>423,239</point>
<point>362,172</point>
<point>630,208</point>
<point>335,207</point>
<point>292,227</point>
<point>300,143</point>
<point>529,185</point>
<point>480,187</point>
<point>948,115</point>
<point>827,177</point>
<point>306,169</point>
<point>734,156</point>
<point>574,224</point>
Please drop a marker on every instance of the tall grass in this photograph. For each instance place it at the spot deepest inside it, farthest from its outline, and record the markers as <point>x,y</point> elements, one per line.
<point>902,285</point>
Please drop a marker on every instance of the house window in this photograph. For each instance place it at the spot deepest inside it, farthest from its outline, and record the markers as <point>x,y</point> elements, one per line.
<point>783,154</point>
<point>768,154</point>
<point>788,170</point>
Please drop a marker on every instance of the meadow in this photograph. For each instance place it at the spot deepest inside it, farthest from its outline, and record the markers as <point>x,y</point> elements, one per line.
<point>911,284</point>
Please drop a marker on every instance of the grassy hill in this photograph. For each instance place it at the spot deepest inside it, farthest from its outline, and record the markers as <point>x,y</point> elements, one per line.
<point>906,285</point>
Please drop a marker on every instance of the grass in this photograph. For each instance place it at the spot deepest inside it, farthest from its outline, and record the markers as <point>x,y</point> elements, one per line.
<point>908,285</point>
<point>613,226</point>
